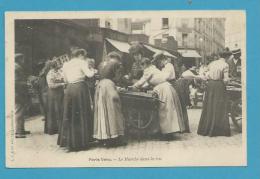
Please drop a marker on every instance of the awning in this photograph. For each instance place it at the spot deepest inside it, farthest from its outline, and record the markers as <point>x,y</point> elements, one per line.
<point>156,50</point>
<point>189,53</point>
<point>121,46</point>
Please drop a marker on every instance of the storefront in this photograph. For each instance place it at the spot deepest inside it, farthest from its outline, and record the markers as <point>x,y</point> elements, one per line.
<point>149,51</point>
<point>40,40</point>
<point>190,57</point>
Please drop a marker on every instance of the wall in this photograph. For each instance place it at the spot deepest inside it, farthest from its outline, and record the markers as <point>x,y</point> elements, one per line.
<point>206,35</point>
<point>118,24</point>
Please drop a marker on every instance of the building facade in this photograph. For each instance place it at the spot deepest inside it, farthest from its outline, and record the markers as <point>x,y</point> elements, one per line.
<point>118,24</point>
<point>209,35</point>
<point>205,35</point>
<point>235,38</point>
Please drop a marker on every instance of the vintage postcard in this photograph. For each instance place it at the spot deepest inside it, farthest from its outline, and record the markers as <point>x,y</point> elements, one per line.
<point>125,89</point>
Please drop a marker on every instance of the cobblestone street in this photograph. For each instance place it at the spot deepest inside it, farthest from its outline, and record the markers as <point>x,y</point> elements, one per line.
<point>40,150</point>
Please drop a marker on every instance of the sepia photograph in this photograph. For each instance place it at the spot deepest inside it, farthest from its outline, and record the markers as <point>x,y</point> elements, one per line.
<point>125,89</point>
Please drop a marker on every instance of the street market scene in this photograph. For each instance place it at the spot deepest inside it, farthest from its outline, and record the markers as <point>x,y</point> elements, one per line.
<point>141,87</point>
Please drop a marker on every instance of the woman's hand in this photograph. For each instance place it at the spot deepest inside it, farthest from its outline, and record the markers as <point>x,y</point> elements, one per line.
<point>120,89</point>
<point>132,88</point>
<point>127,77</point>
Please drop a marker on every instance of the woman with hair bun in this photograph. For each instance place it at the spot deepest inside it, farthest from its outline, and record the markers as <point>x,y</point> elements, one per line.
<point>170,112</point>
<point>168,71</point>
<point>75,133</point>
<point>214,119</point>
<point>108,117</point>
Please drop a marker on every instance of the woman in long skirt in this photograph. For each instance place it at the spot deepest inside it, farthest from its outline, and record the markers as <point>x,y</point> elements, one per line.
<point>214,119</point>
<point>75,132</point>
<point>54,100</point>
<point>108,117</point>
<point>168,71</point>
<point>182,88</point>
<point>170,112</point>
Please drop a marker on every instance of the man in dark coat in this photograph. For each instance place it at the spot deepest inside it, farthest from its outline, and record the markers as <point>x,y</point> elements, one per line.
<point>234,63</point>
<point>237,63</point>
<point>22,98</point>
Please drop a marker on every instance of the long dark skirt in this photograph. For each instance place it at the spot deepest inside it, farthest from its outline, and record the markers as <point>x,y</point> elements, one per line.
<point>180,87</point>
<point>184,91</point>
<point>54,110</point>
<point>43,96</point>
<point>75,131</point>
<point>214,119</point>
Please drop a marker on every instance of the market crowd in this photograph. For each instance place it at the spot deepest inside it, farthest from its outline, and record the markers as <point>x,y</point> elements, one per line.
<point>82,104</point>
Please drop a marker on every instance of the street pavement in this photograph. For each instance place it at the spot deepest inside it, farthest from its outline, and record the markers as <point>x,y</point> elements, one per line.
<point>40,150</point>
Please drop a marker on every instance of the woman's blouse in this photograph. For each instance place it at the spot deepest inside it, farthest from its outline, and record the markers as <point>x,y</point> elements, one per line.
<point>218,70</point>
<point>152,75</point>
<point>203,71</point>
<point>76,70</point>
<point>54,79</point>
<point>169,71</point>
